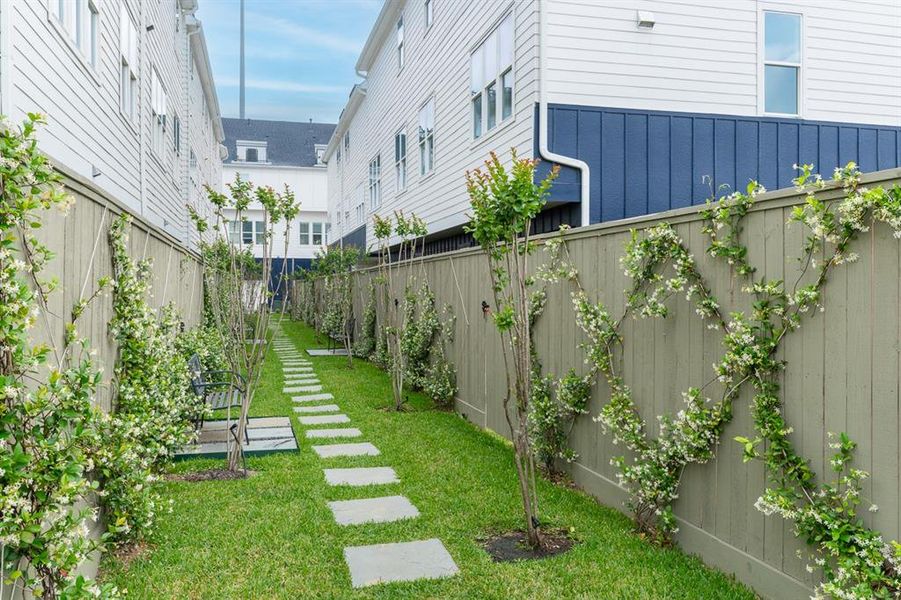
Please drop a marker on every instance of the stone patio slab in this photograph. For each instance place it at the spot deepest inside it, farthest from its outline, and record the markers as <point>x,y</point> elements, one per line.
<point>302,388</point>
<point>324,419</point>
<point>335,450</point>
<point>312,398</point>
<point>322,408</point>
<point>349,432</point>
<point>360,476</point>
<point>327,352</point>
<point>373,510</point>
<point>405,561</point>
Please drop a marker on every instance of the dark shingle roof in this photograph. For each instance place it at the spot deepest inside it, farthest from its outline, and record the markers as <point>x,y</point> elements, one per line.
<point>287,143</point>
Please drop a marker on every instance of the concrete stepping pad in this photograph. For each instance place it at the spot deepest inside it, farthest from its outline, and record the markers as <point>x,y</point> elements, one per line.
<point>405,561</point>
<point>360,476</point>
<point>317,409</point>
<point>324,419</point>
<point>335,450</point>
<point>373,510</point>
<point>349,432</point>
<point>327,352</point>
<point>313,398</point>
<point>309,381</point>
<point>297,369</point>
<point>302,388</point>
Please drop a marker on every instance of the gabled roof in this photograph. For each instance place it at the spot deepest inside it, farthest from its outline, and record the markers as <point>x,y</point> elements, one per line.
<point>288,143</point>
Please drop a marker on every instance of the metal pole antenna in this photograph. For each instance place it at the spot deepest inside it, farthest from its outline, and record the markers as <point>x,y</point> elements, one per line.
<point>241,107</point>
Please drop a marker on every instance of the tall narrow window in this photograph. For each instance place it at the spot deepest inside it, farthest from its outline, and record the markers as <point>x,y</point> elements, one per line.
<point>491,79</point>
<point>400,43</point>
<point>88,43</point>
<point>375,182</point>
<point>259,232</point>
<point>234,232</point>
<point>400,159</point>
<point>247,232</point>
<point>427,137</point>
<point>158,104</point>
<point>428,13</point>
<point>304,228</point>
<point>176,135</point>
<point>781,63</point>
<point>318,234</point>
<point>128,63</point>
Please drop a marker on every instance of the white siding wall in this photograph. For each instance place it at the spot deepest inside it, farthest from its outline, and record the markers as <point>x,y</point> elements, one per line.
<point>309,185</point>
<point>437,64</point>
<point>702,56</point>
<point>47,74</point>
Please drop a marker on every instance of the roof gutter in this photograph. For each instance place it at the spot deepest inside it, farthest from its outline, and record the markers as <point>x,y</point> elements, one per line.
<point>357,94</point>
<point>198,50</point>
<point>543,149</point>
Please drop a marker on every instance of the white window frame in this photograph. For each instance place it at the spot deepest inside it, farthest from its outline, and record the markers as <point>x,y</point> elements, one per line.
<point>491,73</point>
<point>321,233</point>
<point>399,44</point>
<point>128,65</point>
<point>158,116</point>
<point>305,236</point>
<point>426,137</point>
<point>78,22</point>
<point>375,182</point>
<point>400,160</point>
<point>429,13</point>
<point>360,213</point>
<point>762,62</point>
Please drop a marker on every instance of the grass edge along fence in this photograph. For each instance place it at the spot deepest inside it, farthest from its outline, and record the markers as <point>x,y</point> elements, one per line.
<point>836,373</point>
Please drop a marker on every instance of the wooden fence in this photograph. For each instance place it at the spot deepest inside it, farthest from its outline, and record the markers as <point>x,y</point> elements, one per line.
<point>842,374</point>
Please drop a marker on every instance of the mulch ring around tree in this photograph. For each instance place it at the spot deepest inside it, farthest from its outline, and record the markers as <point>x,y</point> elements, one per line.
<point>128,553</point>
<point>210,475</point>
<point>513,545</point>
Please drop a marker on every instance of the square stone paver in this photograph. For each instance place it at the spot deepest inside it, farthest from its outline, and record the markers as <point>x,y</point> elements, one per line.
<point>335,450</point>
<point>313,398</point>
<point>349,432</point>
<point>324,419</point>
<point>405,561</point>
<point>360,476</point>
<point>302,388</point>
<point>373,510</point>
<point>317,409</point>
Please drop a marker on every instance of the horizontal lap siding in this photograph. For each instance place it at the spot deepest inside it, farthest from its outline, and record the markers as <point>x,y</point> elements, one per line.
<point>842,374</point>
<point>642,162</point>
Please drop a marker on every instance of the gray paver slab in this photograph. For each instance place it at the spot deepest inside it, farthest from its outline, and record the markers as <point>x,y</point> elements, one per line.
<point>324,419</point>
<point>347,432</point>
<point>313,398</point>
<point>405,561</point>
<point>359,476</point>
<point>302,388</point>
<point>335,450</point>
<point>326,352</point>
<point>321,408</point>
<point>373,510</point>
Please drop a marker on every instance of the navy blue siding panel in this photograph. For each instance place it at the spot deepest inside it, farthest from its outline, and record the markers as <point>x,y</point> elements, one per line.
<point>650,161</point>
<point>275,274</point>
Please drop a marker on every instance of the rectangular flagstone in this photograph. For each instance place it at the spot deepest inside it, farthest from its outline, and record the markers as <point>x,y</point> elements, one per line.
<point>360,476</point>
<point>321,408</point>
<point>326,352</point>
<point>303,381</point>
<point>335,450</point>
<point>297,369</point>
<point>324,419</point>
<point>312,397</point>
<point>348,432</point>
<point>373,510</point>
<point>405,561</point>
<point>302,388</point>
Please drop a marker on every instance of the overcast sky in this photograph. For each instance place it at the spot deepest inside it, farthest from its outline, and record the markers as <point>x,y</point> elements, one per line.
<point>300,54</point>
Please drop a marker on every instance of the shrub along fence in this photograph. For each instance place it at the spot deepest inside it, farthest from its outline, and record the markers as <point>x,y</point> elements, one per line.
<point>842,371</point>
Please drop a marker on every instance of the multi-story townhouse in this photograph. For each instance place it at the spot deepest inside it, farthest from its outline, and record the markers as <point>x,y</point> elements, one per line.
<point>646,104</point>
<point>128,93</point>
<point>276,154</point>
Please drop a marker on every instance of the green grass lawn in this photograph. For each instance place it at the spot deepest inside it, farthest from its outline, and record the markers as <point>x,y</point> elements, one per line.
<point>273,536</point>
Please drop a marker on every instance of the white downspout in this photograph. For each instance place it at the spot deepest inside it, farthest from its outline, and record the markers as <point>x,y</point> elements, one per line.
<point>542,118</point>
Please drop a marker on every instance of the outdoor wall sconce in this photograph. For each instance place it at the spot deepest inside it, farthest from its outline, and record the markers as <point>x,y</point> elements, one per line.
<point>486,308</point>
<point>646,19</point>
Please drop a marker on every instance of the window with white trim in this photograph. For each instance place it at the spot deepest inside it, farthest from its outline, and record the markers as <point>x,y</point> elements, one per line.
<point>313,233</point>
<point>781,63</point>
<point>158,103</point>
<point>427,137</point>
<point>428,13</point>
<point>346,143</point>
<point>318,234</point>
<point>400,160</point>
<point>234,232</point>
<point>491,79</point>
<point>253,232</point>
<point>128,65</point>
<point>176,135</point>
<point>360,213</point>
<point>80,20</point>
<point>320,153</point>
<point>400,43</point>
<point>375,182</point>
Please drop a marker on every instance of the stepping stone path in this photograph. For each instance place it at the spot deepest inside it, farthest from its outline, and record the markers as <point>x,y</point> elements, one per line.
<point>368,565</point>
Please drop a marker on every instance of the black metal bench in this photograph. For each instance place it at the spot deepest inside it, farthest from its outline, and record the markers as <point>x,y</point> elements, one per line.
<point>217,394</point>
<point>348,334</point>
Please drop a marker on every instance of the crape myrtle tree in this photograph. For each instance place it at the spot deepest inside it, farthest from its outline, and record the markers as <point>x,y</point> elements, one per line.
<point>334,267</point>
<point>237,291</point>
<point>504,203</point>
<point>410,232</point>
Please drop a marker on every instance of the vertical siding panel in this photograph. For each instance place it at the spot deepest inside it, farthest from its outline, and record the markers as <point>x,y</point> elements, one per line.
<point>847,145</point>
<point>787,153</point>
<point>766,156</point>
<point>886,150</point>
<point>868,151</point>
<point>590,149</point>
<point>746,142</point>
<point>658,163</point>
<point>808,151</point>
<point>702,156</point>
<point>725,153</point>
<point>612,167</point>
<point>828,149</point>
<point>636,133</point>
<point>680,153</point>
